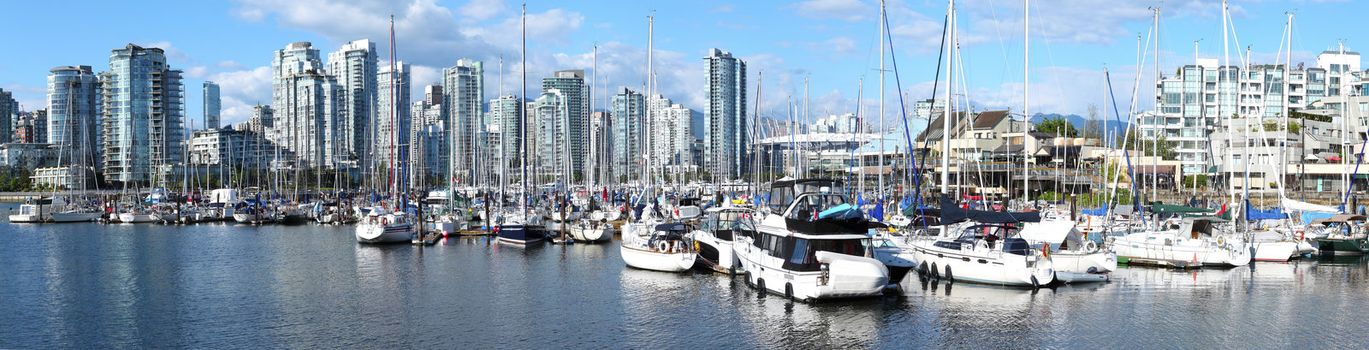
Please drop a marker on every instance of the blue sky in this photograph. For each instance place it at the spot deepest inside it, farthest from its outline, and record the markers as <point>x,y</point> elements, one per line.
<point>831,43</point>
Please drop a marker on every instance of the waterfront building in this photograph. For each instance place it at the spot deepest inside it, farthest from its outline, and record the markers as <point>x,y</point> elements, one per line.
<point>28,155</point>
<point>726,128</point>
<point>626,136</point>
<point>430,149</point>
<point>305,104</point>
<point>394,125</point>
<point>31,127</point>
<point>9,111</point>
<point>212,107</point>
<point>505,112</point>
<point>671,137</point>
<point>233,148</point>
<point>551,116</point>
<point>571,85</point>
<point>143,110</point>
<point>845,123</point>
<point>73,113</point>
<point>464,94</point>
<point>354,66</point>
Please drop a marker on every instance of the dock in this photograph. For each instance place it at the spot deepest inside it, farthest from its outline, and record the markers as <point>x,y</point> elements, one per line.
<point>428,239</point>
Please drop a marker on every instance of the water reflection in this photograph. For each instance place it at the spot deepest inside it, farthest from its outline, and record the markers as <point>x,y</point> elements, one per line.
<point>213,286</point>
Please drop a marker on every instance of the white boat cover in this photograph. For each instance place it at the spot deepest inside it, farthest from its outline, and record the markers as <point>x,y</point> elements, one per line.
<point>1296,205</point>
<point>1050,231</point>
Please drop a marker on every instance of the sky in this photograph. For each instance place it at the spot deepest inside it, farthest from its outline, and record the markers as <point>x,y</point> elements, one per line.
<point>832,45</point>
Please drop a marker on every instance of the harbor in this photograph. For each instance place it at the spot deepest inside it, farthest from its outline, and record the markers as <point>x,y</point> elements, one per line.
<point>228,285</point>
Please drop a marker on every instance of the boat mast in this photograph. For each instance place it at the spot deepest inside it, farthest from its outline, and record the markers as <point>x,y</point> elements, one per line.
<point>946,108</point>
<point>882,127</point>
<point>1026,98</point>
<point>523,113</point>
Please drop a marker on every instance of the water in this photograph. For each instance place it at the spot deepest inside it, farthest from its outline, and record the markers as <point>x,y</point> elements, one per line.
<point>228,286</point>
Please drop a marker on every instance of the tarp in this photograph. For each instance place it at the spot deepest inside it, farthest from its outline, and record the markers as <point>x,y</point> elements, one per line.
<point>1252,213</point>
<point>950,213</point>
<point>1296,205</point>
<point>1100,211</point>
<point>1049,231</point>
<point>1309,216</point>
<point>1171,209</point>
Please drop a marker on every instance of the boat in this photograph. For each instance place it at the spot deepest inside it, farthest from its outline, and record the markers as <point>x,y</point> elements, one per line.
<point>77,215</point>
<point>1075,257</point>
<point>983,247</point>
<point>36,210</point>
<point>1341,234</point>
<point>663,247</point>
<point>714,237</point>
<point>1185,243</point>
<point>380,226</point>
<point>590,231</point>
<point>520,227</point>
<point>136,216</point>
<point>817,248</point>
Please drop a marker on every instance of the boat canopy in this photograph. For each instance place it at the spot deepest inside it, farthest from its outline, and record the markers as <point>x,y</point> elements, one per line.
<point>950,213</point>
<point>1050,231</point>
<point>1339,218</point>
<point>1171,209</point>
<point>1296,205</point>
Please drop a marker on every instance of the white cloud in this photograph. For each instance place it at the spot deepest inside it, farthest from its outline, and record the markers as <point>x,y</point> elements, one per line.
<point>482,9</point>
<point>197,72</point>
<point>241,90</point>
<point>849,10</point>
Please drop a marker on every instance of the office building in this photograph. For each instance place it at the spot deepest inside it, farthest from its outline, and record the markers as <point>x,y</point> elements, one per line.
<point>212,108</point>
<point>726,128</point>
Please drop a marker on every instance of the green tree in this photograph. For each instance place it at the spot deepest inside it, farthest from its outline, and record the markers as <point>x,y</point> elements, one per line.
<point>1057,126</point>
<point>1164,148</point>
<point>1294,127</point>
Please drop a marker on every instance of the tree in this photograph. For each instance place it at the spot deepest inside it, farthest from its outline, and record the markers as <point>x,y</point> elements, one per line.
<point>1294,127</point>
<point>1164,149</point>
<point>1057,126</point>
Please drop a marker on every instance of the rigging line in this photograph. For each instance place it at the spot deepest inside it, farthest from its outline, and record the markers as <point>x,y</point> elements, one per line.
<point>898,83</point>
<point>1136,205</point>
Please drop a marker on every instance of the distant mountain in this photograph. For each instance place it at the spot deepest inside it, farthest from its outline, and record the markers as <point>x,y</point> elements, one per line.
<point>1080,122</point>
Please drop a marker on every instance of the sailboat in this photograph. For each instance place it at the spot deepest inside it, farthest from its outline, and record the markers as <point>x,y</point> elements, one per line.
<point>522,226</point>
<point>381,224</point>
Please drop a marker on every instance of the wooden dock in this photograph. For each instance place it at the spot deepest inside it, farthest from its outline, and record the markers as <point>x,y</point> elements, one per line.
<point>428,239</point>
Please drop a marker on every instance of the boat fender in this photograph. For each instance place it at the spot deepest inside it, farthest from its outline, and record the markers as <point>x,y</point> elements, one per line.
<point>949,276</point>
<point>662,246</point>
<point>1090,246</point>
<point>935,273</point>
<point>1035,285</point>
<point>789,291</point>
<point>384,221</point>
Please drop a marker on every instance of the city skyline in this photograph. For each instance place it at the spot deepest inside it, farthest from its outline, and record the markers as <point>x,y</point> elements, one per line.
<point>832,42</point>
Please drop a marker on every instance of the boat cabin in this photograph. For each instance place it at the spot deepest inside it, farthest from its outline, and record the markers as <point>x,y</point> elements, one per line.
<point>992,235</point>
<point>728,223</point>
<point>783,191</point>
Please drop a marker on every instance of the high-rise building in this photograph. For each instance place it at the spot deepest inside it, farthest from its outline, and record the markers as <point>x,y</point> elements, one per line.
<point>505,112</point>
<point>725,122</point>
<point>393,124</point>
<point>32,127</point>
<point>430,149</point>
<point>354,67</point>
<point>626,135</point>
<point>74,110</point>
<point>9,109</point>
<point>671,136</point>
<point>571,85</point>
<point>143,113</point>
<point>553,140</point>
<point>212,108</point>
<point>601,151</point>
<point>305,107</point>
<point>464,94</point>
<point>262,120</point>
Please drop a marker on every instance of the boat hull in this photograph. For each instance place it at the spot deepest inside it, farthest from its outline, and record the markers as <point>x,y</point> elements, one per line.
<point>1280,251</point>
<point>1146,248</point>
<point>1343,246</point>
<point>985,266</point>
<point>129,218</point>
<point>649,259</point>
<point>384,233</point>
<point>846,276</point>
<point>521,234</point>
<point>76,216</point>
<point>591,233</point>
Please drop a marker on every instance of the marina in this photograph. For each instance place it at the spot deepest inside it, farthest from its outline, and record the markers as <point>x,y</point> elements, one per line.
<point>228,285</point>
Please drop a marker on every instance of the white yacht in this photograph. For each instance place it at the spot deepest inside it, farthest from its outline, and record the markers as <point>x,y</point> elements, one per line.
<point>590,230</point>
<point>1075,257</point>
<point>984,247</point>
<point>380,226</point>
<point>664,247</point>
<point>1186,242</point>
<point>818,248</point>
<point>36,210</point>
<point>720,227</point>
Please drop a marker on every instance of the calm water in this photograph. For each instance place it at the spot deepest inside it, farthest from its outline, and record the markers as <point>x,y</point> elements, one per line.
<point>227,286</point>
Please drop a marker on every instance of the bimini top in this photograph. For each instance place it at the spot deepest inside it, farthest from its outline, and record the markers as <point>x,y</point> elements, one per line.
<point>1339,218</point>
<point>672,227</point>
<point>950,214</point>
